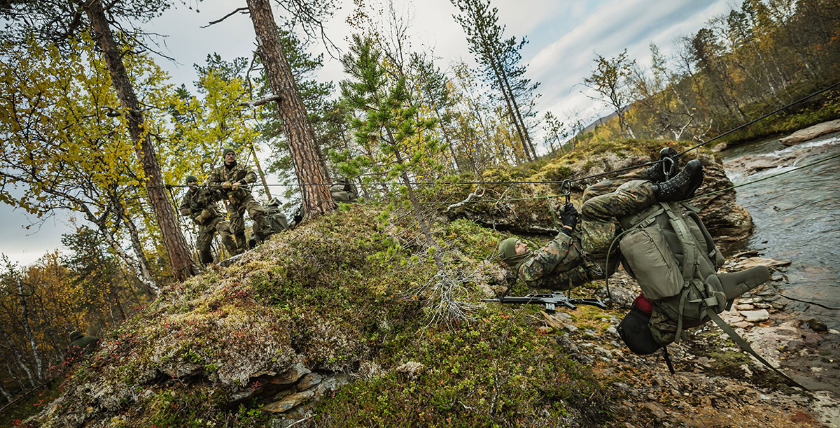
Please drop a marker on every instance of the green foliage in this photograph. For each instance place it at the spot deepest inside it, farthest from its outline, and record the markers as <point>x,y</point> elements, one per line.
<point>495,371</point>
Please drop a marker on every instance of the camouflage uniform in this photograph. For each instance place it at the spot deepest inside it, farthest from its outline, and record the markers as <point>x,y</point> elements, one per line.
<point>275,219</point>
<point>200,205</point>
<point>344,191</point>
<point>569,261</point>
<point>239,201</point>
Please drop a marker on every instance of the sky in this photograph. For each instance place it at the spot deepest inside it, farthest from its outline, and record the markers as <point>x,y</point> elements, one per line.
<point>564,37</point>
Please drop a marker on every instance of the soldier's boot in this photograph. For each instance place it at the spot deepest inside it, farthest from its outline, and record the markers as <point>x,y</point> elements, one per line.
<point>241,242</point>
<point>665,168</point>
<point>682,186</point>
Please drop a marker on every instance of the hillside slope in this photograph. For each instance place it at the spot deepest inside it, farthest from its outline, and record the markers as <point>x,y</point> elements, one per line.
<point>328,325</point>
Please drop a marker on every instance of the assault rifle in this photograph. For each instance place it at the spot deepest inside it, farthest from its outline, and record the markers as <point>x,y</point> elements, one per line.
<point>551,301</point>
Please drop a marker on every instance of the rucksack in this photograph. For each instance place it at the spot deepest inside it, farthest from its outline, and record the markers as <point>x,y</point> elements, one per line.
<point>672,255</point>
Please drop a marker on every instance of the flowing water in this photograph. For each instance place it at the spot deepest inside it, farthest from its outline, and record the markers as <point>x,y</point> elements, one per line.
<point>797,217</point>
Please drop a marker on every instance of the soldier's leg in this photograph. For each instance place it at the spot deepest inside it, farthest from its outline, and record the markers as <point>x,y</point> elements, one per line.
<point>203,242</point>
<point>610,185</point>
<point>223,228</point>
<point>258,215</point>
<point>598,214</point>
<point>237,225</point>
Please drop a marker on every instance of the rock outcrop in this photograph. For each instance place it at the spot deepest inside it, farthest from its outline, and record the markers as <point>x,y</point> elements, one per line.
<point>812,132</point>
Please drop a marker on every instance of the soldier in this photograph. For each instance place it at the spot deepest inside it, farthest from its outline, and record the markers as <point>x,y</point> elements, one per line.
<point>344,191</point>
<point>275,219</point>
<point>232,178</point>
<point>200,205</point>
<point>572,259</point>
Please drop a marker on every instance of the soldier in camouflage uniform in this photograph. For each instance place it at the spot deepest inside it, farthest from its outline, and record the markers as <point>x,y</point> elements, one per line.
<point>199,204</point>
<point>231,179</point>
<point>275,219</point>
<point>573,258</point>
<point>344,191</point>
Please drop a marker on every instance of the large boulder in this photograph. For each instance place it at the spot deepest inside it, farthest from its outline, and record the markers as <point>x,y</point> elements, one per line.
<point>811,132</point>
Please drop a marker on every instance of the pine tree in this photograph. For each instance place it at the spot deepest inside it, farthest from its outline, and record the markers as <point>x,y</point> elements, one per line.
<point>386,118</point>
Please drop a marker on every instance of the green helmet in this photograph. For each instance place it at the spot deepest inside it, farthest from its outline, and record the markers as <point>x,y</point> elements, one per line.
<point>191,178</point>
<point>227,150</point>
<point>75,335</point>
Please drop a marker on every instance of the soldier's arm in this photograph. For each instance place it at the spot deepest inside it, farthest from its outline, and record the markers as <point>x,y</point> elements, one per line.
<point>185,206</point>
<point>214,180</point>
<point>556,255</point>
<point>250,176</point>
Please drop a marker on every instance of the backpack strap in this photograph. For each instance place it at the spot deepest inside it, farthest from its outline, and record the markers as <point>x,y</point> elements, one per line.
<point>687,241</point>
<point>746,346</point>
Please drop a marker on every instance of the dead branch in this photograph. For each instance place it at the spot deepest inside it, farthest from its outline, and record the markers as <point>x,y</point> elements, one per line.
<point>239,9</point>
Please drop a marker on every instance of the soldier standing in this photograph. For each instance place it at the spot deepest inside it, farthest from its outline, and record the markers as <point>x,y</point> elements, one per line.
<point>200,205</point>
<point>231,178</point>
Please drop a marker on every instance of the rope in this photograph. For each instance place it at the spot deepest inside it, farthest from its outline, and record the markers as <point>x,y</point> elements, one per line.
<point>738,128</point>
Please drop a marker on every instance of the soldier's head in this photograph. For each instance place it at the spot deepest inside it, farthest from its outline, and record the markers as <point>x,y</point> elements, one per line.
<point>192,182</point>
<point>229,156</point>
<point>512,250</point>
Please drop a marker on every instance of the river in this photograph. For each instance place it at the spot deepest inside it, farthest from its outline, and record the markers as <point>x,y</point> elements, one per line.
<point>796,216</point>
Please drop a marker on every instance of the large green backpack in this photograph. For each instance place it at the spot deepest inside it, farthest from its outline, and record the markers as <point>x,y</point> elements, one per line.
<point>673,257</point>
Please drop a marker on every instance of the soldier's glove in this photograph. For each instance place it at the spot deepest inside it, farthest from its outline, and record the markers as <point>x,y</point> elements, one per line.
<point>235,186</point>
<point>568,216</point>
<point>226,185</point>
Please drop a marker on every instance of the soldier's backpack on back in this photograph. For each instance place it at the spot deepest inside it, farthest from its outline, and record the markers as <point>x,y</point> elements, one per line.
<point>673,257</point>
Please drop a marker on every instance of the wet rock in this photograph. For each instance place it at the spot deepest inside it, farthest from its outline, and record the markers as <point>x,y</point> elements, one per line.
<point>812,132</point>
<point>756,316</point>
<point>656,409</point>
<point>308,381</point>
<point>291,375</point>
<point>817,325</point>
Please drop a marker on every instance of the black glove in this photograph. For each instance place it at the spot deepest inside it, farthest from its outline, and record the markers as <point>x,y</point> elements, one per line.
<point>568,216</point>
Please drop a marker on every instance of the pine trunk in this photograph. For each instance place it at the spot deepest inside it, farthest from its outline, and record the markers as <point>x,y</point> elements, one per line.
<point>309,167</point>
<point>173,239</point>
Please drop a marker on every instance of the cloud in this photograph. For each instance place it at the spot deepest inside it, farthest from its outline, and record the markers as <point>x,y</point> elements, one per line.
<point>561,65</point>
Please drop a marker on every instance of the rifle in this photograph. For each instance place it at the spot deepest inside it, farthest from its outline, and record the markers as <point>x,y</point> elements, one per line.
<point>551,301</point>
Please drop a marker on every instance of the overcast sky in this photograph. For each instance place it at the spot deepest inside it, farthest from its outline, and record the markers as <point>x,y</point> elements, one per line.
<point>564,37</point>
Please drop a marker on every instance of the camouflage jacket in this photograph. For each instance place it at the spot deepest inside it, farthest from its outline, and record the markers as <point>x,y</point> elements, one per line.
<point>200,204</point>
<point>238,173</point>
<point>559,265</point>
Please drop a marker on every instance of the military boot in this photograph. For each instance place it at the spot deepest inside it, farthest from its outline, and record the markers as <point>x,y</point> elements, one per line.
<point>682,186</point>
<point>665,168</point>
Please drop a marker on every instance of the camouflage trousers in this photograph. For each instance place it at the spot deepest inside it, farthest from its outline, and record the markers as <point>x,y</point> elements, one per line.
<point>599,224</point>
<point>205,239</point>
<point>257,212</point>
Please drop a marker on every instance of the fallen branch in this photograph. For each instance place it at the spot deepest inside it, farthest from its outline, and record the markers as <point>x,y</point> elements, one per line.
<point>469,197</point>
